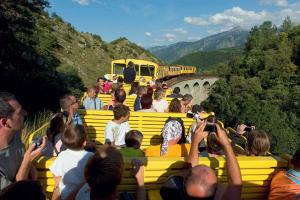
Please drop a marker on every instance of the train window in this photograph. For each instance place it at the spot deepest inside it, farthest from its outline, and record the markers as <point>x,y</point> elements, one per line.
<point>147,70</point>
<point>118,68</point>
<point>136,67</point>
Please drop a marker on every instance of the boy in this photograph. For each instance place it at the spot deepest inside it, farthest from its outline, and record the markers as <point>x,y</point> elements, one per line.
<point>92,102</point>
<point>133,141</point>
<point>116,129</point>
<point>68,167</point>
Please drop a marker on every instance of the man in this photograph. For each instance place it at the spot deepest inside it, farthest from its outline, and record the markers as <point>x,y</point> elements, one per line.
<point>186,102</point>
<point>15,165</point>
<point>129,73</point>
<point>120,96</point>
<point>286,184</point>
<point>200,181</point>
<point>176,93</point>
<point>69,106</point>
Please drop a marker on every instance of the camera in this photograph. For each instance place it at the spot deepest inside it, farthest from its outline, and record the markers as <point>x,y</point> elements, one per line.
<point>211,124</point>
<point>192,115</point>
<point>248,129</point>
<point>37,142</point>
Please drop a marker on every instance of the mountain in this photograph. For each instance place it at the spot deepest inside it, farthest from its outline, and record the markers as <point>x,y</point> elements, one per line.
<point>85,53</point>
<point>235,37</point>
<point>207,60</point>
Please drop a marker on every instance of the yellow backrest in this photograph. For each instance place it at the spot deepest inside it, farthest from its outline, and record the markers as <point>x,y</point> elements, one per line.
<point>150,124</point>
<point>257,173</point>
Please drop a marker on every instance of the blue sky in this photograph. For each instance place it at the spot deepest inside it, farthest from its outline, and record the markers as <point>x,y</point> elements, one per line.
<point>161,22</point>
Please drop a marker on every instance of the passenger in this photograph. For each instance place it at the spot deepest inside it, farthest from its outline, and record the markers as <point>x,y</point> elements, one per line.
<point>26,189</point>
<point>258,143</point>
<point>137,103</point>
<point>117,128</point>
<point>114,78</point>
<point>214,147</point>
<point>92,102</point>
<point>143,80</point>
<point>119,98</point>
<point>129,73</point>
<point>107,86</point>
<point>146,103</point>
<point>286,184</point>
<point>152,82</point>
<point>196,109</point>
<point>101,83</point>
<point>200,181</point>
<point>186,103</point>
<point>103,173</point>
<point>133,141</point>
<point>175,106</point>
<point>150,91</point>
<point>159,104</point>
<point>173,144</point>
<point>176,93</point>
<point>54,144</point>
<point>69,165</point>
<point>134,89</point>
<point>15,165</point>
<point>69,106</point>
<point>111,104</point>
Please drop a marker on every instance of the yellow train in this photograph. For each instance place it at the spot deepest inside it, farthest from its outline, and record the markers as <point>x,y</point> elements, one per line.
<point>148,69</point>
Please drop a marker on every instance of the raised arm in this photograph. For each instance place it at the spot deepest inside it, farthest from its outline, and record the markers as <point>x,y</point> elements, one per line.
<point>234,188</point>
<point>199,135</point>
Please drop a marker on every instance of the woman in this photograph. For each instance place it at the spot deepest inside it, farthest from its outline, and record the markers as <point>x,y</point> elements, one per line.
<point>159,104</point>
<point>175,106</point>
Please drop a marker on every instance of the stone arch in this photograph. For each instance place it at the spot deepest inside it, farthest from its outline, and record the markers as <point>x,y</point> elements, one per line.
<point>186,89</point>
<point>196,93</point>
<point>206,86</point>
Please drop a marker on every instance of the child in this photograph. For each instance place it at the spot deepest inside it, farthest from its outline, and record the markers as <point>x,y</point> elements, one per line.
<point>133,141</point>
<point>68,167</point>
<point>117,128</point>
<point>91,102</point>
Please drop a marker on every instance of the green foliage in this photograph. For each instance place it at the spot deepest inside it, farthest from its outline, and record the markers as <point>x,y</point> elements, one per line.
<point>263,88</point>
<point>209,60</point>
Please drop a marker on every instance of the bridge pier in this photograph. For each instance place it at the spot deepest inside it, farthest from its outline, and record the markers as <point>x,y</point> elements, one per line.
<point>197,86</point>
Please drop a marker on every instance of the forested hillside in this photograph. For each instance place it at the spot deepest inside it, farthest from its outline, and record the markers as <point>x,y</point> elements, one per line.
<point>209,60</point>
<point>263,87</point>
<point>43,57</point>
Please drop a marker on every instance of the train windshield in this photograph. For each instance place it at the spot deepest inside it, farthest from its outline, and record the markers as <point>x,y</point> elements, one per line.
<point>147,70</point>
<point>118,68</point>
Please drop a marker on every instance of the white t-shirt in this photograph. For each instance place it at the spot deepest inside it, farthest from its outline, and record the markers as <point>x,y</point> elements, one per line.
<point>116,132</point>
<point>160,106</point>
<point>70,166</point>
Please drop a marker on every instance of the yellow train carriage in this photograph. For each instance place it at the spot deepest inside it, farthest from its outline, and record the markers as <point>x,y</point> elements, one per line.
<point>147,69</point>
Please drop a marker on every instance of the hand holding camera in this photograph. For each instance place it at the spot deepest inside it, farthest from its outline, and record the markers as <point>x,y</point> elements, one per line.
<point>35,149</point>
<point>241,129</point>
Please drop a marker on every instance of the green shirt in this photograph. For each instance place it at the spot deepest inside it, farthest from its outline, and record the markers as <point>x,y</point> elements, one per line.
<point>131,152</point>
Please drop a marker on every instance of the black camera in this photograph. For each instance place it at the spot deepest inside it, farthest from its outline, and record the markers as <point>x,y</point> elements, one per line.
<point>37,142</point>
<point>248,129</point>
<point>211,124</point>
<point>192,115</point>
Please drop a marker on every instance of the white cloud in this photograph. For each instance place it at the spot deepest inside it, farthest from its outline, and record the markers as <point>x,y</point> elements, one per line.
<point>82,2</point>
<point>193,38</point>
<point>276,2</point>
<point>180,30</point>
<point>196,21</point>
<point>169,37</point>
<point>148,34</point>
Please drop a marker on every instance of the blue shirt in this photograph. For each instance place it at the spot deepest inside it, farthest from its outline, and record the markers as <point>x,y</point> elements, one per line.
<point>137,104</point>
<point>77,119</point>
<point>92,104</point>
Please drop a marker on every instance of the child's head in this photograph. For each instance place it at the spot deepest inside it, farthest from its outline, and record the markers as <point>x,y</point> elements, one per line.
<point>134,139</point>
<point>91,92</point>
<point>74,137</point>
<point>258,143</point>
<point>121,112</point>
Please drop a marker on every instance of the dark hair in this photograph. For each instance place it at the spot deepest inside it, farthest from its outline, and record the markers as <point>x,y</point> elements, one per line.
<point>150,91</point>
<point>296,160</point>
<point>130,64</point>
<point>176,90</point>
<point>158,93</point>
<point>74,137</point>
<point>134,88</point>
<point>142,90</point>
<point>65,102</point>
<point>175,106</point>
<point>103,172</point>
<point>120,95</point>
<point>120,79</point>
<point>57,126</point>
<point>213,145</point>
<point>197,108</point>
<point>133,139</point>
<point>187,97</point>
<point>100,78</point>
<point>120,111</point>
<point>29,189</point>
<point>6,109</point>
<point>258,143</point>
<point>146,101</point>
